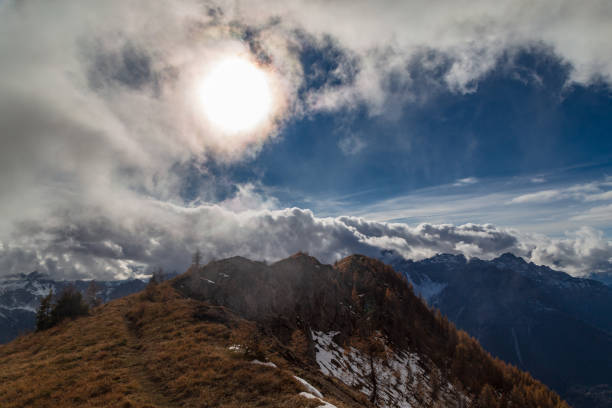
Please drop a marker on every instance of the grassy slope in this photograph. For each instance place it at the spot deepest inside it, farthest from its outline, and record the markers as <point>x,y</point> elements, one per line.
<point>160,349</point>
<point>155,350</point>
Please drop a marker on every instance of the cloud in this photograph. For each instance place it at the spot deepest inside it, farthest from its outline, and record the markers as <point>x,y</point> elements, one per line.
<point>604,196</point>
<point>97,103</point>
<point>490,202</point>
<point>583,251</point>
<point>249,197</point>
<point>601,213</point>
<point>98,120</point>
<point>462,40</point>
<point>351,145</point>
<point>593,191</point>
<point>141,234</point>
<point>465,181</point>
<point>539,197</point>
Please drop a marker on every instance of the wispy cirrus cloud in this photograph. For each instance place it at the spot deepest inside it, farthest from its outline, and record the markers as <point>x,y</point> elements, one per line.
<point>593,191</point>
<point>504,201</point>
<point>538,197</point>
<point>351,145</point>
<point>598,214</point>
<point>465,181</point>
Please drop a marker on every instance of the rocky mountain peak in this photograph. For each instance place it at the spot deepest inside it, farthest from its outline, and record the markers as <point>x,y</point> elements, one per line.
<point>510,261</point>
<point>458,259</point>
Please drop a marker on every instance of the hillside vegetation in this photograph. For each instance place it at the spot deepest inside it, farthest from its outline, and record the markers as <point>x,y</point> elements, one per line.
<point>243,342</point>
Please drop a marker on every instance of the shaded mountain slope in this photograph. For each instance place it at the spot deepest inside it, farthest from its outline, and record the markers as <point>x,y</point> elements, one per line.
<point>546,322</point>
<point>358,299</point>
<point>240,333</point>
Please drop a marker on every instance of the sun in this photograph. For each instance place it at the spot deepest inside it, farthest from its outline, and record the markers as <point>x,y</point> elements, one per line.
<point>236,95</point>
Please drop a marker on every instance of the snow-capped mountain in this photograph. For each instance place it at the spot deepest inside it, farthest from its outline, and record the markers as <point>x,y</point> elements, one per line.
<point>557,327</point>
<point>20,296</point>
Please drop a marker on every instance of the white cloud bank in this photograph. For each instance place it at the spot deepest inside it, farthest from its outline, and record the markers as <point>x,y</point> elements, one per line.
<point>468,36</point>
<point>140,233</point>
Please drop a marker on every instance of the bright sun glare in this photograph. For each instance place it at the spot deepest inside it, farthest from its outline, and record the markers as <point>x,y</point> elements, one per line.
<point>236,95</point>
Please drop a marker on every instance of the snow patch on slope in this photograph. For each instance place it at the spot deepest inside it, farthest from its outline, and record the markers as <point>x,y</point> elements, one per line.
<point>267,363</point>
<point>325,403</point>
<point>397,378</point>
<point>25,308</point>
<point>309,388</point>
<point>427,288</point>
<point>516,347</point>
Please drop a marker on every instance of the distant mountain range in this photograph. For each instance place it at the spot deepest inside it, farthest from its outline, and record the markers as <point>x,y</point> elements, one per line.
<point>20,296</point>
<point>238,333</point>
<point>603,277</point>
<point>557,327</point>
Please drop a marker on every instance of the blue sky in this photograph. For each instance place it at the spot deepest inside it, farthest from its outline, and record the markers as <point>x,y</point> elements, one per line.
<point>523,129</point>
<point>470,127</point>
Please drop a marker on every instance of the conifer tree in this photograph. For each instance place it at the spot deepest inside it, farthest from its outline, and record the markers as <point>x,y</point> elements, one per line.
<point>196,258</point>
<point>487,398</point>
<point>70,304</point>
<point>91,294</point>
<point>43,315</point>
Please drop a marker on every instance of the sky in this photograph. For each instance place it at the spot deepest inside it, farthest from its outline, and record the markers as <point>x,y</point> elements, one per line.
<point>471,127</point>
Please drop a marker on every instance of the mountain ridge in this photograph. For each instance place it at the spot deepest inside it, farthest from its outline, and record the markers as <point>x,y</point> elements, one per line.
<point>294,333</point>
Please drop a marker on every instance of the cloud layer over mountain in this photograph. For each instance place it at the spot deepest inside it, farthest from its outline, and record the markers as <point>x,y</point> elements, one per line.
<point>141,234</point>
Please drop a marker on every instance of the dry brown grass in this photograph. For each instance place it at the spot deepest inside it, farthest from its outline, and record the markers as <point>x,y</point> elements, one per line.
<point>147,350</point>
